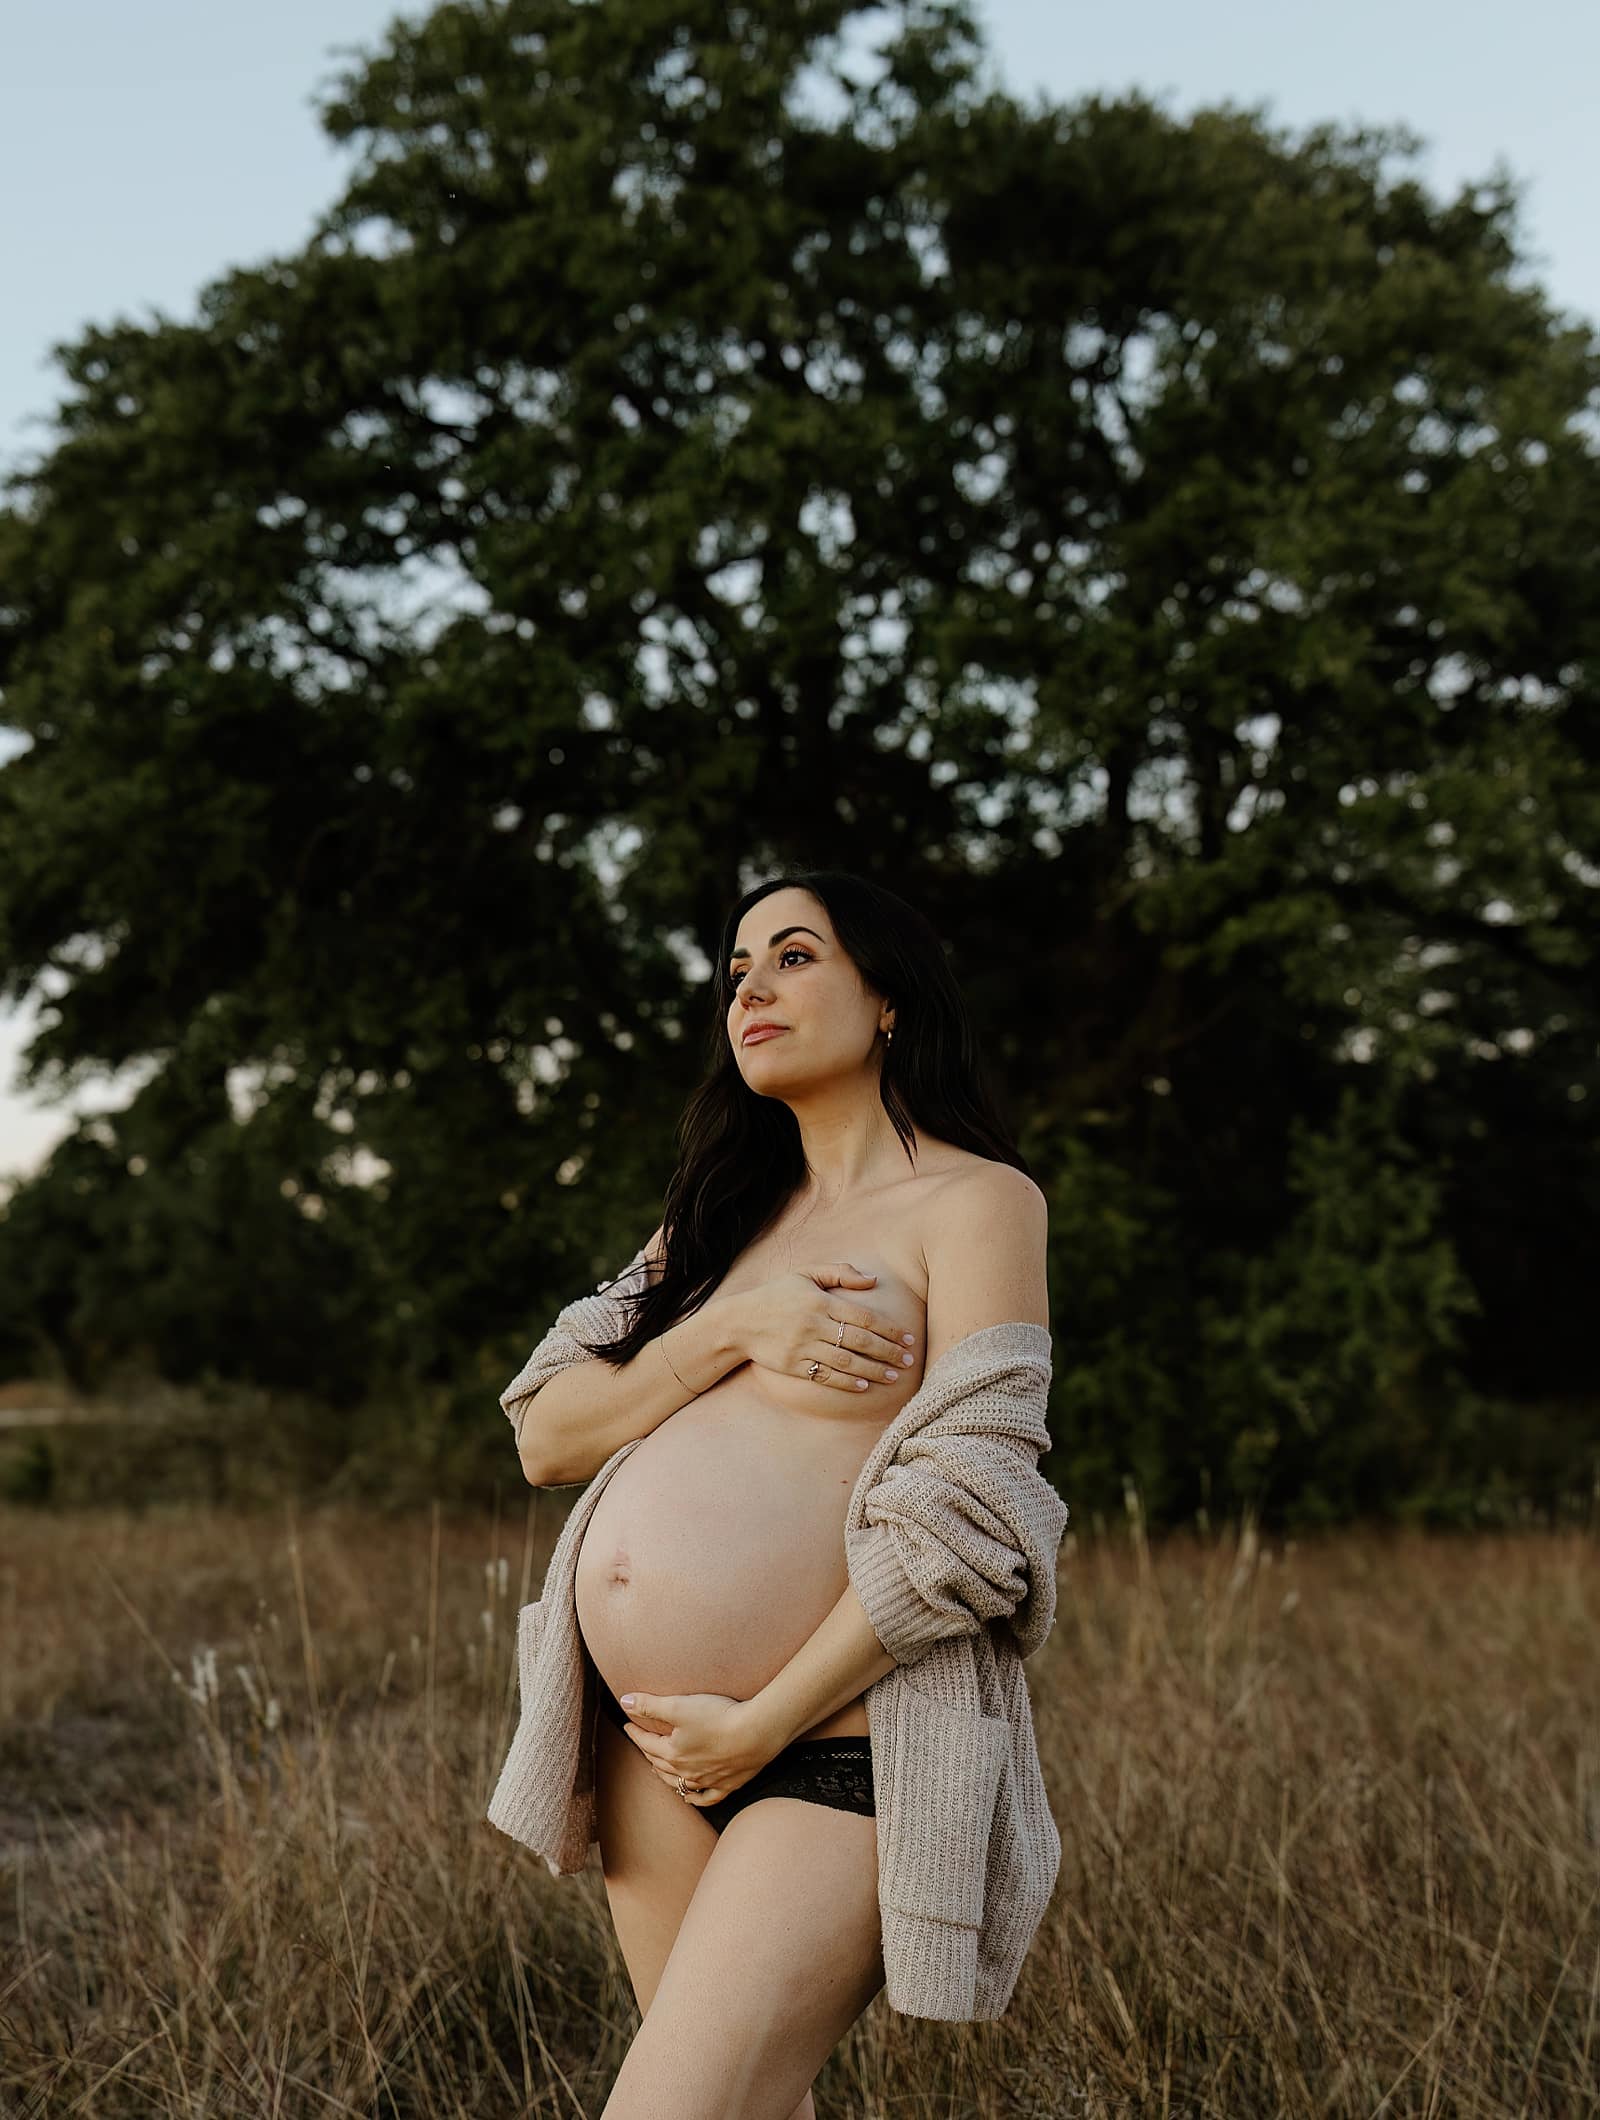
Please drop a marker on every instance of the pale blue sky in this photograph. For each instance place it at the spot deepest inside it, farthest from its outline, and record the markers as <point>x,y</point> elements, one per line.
<point>144,149</point>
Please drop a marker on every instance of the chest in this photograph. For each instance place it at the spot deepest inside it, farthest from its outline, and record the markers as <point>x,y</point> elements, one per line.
<point>894,1302</point>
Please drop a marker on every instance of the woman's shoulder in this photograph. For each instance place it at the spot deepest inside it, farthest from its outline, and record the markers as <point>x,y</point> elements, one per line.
<point>983,1235</point>
<point>961,1183</point>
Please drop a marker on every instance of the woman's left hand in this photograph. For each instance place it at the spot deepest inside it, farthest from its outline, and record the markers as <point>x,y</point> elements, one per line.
<point>711,1741</point>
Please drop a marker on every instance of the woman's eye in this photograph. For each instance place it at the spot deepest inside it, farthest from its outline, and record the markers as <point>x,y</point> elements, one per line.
<point>793,950</point>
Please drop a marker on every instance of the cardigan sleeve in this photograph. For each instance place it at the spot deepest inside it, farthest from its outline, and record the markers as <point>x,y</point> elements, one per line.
<point>961,1528</point>
<point>596,1318</point>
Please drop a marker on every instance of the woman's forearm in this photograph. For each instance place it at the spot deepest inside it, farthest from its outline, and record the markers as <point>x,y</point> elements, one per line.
<point>573,1424</point>
<point>835,1664</point>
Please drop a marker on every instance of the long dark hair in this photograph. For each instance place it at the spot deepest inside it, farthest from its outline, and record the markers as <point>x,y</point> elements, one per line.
<point>739,1155</point>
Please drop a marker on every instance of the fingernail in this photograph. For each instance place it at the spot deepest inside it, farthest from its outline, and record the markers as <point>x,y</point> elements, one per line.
<point>909,1339</point>
<point>627,1700</point>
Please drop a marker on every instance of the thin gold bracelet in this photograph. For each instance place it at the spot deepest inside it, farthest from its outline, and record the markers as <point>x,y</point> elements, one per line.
<point>668,1359</point>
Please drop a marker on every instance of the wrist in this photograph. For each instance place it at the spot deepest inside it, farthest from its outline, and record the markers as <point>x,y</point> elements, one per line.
<point>729,1314</point>
<point>767,1728</point>
<point>701,1348</point>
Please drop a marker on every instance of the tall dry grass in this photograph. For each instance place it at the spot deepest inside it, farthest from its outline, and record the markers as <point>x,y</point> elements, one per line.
<point>1330,1815</point>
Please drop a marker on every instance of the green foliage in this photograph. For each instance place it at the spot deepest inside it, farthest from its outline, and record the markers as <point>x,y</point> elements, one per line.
<point>28,1472</point>
<point>1330,1366</point>
<point>1163,548</point>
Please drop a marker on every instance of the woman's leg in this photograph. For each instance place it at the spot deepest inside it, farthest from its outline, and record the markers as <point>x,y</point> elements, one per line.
<point>777,1953</point>
<point>653,1848</point>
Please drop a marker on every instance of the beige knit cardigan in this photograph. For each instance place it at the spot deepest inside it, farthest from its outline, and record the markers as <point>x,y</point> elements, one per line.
<point>951,1536</point>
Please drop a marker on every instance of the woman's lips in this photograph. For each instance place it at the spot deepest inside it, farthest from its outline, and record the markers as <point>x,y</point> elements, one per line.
<point>759,1037</point>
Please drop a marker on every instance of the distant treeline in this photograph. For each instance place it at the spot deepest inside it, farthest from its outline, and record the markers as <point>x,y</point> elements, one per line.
<point>1162,549</point>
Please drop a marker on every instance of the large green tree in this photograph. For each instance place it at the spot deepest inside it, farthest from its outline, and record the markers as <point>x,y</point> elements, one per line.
<point>1164,549</point>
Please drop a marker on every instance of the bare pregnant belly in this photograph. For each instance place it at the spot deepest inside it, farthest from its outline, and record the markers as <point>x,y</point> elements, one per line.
<point>717,1548</point>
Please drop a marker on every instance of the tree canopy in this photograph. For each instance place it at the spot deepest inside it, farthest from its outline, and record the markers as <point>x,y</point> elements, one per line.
<point>1162,548</point>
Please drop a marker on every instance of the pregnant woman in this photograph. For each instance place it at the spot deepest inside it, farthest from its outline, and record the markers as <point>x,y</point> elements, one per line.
<point>775,1668</point>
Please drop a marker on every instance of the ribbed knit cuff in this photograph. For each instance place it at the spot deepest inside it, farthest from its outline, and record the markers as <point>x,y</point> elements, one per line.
<point>930,1967</point>
<point>901,1616</point>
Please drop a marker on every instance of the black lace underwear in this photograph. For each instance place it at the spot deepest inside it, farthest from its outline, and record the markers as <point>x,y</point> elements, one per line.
<point>836,1771</point>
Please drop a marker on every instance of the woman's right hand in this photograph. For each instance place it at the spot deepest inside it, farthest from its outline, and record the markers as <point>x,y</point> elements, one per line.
<point>793,1321</point>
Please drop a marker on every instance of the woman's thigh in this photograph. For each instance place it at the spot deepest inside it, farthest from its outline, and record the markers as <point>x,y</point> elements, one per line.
<point>653,1847</point>
<point>777,1954</point>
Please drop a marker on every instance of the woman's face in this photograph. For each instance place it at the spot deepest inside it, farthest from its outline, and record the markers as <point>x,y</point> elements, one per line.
<point>787,969</point>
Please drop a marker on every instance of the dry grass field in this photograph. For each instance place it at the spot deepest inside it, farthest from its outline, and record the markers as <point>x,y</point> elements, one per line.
<point>1330,1814</point>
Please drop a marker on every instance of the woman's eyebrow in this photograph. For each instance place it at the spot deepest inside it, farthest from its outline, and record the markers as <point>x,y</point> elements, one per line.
<point>774,940</point>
